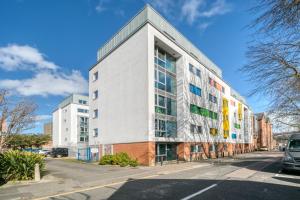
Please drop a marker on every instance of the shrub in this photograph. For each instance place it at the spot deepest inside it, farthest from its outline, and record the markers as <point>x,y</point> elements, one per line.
<point>121,159</point>
<point>106,160</point>
<point>133,163</point>
<point>17,165</point>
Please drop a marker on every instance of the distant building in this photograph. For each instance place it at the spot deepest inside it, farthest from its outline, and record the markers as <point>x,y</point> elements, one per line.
<point>264,132</point>
<point>70,122</point>
<point>48,128</point>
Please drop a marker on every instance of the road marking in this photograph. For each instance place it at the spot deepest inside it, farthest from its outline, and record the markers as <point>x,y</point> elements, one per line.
<point>93,188</point>
<point>116,183</point>
<point>199,192</point>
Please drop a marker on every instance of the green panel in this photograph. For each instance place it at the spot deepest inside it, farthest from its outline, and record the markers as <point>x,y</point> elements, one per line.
<point>160,110</point>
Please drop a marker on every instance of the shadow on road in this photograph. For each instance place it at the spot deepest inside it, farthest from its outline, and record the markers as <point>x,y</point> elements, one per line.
<point>180,188</point>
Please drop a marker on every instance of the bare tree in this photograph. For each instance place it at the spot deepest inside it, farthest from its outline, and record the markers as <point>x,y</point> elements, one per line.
<point>14,117</point>
<point>274,59</point>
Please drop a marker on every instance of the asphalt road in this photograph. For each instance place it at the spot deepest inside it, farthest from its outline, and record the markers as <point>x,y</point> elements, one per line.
<point>257,176</point>
<point>253,176</point>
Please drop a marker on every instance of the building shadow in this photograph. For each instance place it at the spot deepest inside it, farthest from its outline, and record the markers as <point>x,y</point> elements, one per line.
<point>225,190</point>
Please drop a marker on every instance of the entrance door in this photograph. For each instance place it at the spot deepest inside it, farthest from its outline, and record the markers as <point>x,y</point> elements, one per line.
<point>166,152</point>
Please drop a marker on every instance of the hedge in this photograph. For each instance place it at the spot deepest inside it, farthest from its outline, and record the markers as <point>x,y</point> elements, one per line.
<point>121,159</point>
<point>18,165</point>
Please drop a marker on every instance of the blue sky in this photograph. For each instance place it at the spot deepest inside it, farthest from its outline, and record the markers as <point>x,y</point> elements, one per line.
<point>47,47</point>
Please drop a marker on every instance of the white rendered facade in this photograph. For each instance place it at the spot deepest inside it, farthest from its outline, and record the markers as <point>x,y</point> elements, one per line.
<point>128,79</point>
<point>70,122</point>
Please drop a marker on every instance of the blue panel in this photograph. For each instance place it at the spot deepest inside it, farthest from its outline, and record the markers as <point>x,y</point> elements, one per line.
<point>233,136</point>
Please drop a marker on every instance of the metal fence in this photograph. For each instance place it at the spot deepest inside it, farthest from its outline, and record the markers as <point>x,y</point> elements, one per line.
<point>87,154</point>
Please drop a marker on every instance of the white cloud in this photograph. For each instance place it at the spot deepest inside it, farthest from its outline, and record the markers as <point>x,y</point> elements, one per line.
<point>219,7</point>
<point>204,26</point>
<point>48,83</point>
<point>190,10</point>
<point>15,57</point>
<point>100,7</point>
<point>165,6</point>
<point>47,77</point>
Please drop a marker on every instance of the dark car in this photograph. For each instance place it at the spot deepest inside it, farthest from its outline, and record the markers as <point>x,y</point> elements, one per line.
<point>59,152</point>
<point>291,159</point>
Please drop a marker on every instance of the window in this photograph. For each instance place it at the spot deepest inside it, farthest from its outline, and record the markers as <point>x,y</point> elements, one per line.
<point>160,128</point>
<point>191,68</point>
<point>95,113</point>
<point>195,129</point>
<point>195,148</point>
<point>199,129</point>
<point>194,70</point>
<point>83,129</point>
<point>223,89</point>
<point>95,76</point>
<point>170,83</point>
<point>195,90</point>
<point>212,98</point>
<point>95,134</point>
<point>80,110</point>
<point>198,73</point>
<point>171,128</point>
<point>95,94</point>
<point>171,107</point>
<point>82,102</point>
<point>160,104</point>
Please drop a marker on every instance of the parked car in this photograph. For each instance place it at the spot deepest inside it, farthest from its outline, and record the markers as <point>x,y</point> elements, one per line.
<point>44,152</point>
<point>291,159</point>
<point>59,152</point>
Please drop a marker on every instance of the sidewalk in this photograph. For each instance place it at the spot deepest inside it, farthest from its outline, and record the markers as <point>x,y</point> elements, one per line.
<point>59,180</point>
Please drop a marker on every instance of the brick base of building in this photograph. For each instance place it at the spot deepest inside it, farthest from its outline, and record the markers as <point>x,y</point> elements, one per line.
<point>144,152</point>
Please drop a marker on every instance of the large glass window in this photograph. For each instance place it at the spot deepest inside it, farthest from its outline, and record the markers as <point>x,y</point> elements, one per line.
<point>171,128</point>
<point>170,64</point>
<point>83,129</point>
<point>171,87</point>
<point>160,128</point>
<point>165,103</point>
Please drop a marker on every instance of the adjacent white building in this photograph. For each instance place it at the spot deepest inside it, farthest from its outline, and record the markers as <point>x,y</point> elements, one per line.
<point>154,95</point>
<point>71,122</point>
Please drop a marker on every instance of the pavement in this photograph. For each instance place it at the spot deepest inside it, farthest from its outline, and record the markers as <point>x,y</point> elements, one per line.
<point>248,176</point>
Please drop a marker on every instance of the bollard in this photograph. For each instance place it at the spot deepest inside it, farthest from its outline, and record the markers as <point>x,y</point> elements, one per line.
<point>161,160</point>
<point>37,175</point>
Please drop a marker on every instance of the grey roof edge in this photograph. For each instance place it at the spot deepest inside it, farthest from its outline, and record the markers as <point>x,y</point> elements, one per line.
<point>211,65</point>
<point>238,96</point>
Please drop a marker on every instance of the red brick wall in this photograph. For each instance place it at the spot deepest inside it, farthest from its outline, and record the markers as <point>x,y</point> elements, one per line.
<point>144,152</point>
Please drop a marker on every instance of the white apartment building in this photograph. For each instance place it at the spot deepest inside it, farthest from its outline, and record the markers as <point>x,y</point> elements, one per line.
<point>71,122</point>
<point>154,95</point>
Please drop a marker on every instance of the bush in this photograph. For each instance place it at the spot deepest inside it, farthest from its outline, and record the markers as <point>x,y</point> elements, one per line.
<point>106,160</point>
<point>17,165</point>
<point>121,159</point>
<point>134,163</point>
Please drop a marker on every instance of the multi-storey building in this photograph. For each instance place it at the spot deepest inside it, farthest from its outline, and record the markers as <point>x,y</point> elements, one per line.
<point>265,136</point>
<point>48,128</point>
<point>70,123</point>
<point>154,95</point>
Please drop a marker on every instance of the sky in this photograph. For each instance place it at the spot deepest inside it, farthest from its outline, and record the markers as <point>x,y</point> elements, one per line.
<point>47,47</point>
